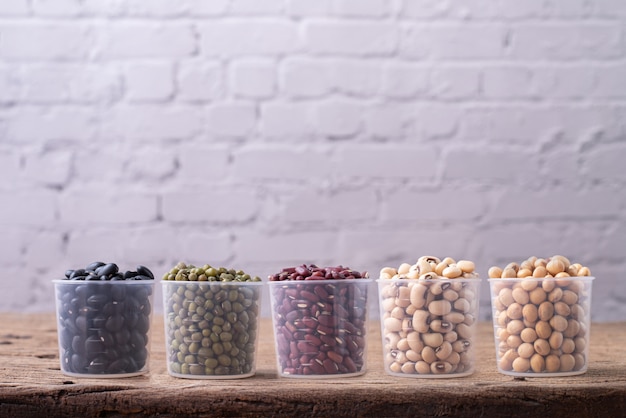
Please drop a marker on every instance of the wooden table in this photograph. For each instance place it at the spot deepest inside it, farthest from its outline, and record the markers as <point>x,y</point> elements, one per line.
<point>32,385</point>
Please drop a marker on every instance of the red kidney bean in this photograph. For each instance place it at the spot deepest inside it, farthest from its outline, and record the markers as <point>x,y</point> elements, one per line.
<point>324,323</point>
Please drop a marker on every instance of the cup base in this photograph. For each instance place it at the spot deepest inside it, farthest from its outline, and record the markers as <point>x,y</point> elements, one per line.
<point>105,376</point>
<point>321,376</point>
<point>544,374</point>
<point>211,377</point>
<point>431,376</point>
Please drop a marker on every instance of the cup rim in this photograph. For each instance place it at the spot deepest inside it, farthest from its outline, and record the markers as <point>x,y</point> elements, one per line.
<point>418,280</point>
<point>537,279</point>
<point>215,283</point>
<point>329,281</point>
<point>103,282</point>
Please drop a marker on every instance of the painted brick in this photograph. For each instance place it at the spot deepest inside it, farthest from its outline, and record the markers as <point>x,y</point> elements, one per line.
<point>57,8</point>
<point>253,78</point>
<point>9,169</point>
<point>256,8</point>
<point>403,80</point>
<point>208,8</point>
<point>390,120</point>
<point>202,163</point>
<point>10,86</point>
<point>362,8</point>
<point>606,162</point>
<point>149,81</point>
<point>507,82</point>
<point>455,82</point>
<point>33,208</point>
<point>109,8</point>
<point>156,8</point>
<point>562,164</point>
<point>288,163</point>
<point>350,38</point>
<point>52,168</point>
<point>150,164</point>
<point>106,207</point>
<point>154,244</point>
<point>424,9</point>
<point>231,119</point>
<point>479,163</point>
<point>610,81</point>
<point>304,77</point>
<point>569,81</point>
<point>152,122</point>
<point>199,247</point>
<point>11,243</point>
<point>609,8</point>
<point>44,249</point>
<point>569,9</point>
<point>14,8</point>
<point>45,41</point>
<point>426,205</point>
<point>239,37</point>
<point>529,9</point>
<point>96,243</point>
<point>126,40</point>
<point>562,41</point>
<point>298,247</point>
<point>199,81</point>
<point>286,120</point>
<point>338,118</point>
<point>308,8</point>
<point>189,207</point>
<point>345,206</point>
<point>356,77</point>
<point>14,291</point>
<point>437,121</point>
<point>34,123</point>
<point>455,42</point>
<point>383,161</point>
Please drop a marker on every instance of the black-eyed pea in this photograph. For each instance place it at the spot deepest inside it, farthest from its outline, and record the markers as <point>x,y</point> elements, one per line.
<point>555,340</point>
<point>558,323</point>
<point>408,368</point>
<point>415,342</point>
<point>542,347</point>
<point>537,296</point>
<point>452,271</point>
<point>466,266</point>
<point>404,297</point>
<point>464,331</point>
<point>410,310</point>
<point>540,272</point>
<point>514,327</point>
<point>388,273</point>
<point>440,267</point>
<point>403,345</point>
<point>521,365</point>
<point>422,367</point>
<point>392,324</point>
<point>401,357</point>
<point>420,321</point>
<point>528,335</point>
<point>407,325</point>
<point>413,274</point>
<point>569,297</point>
<point>568,346</point>
<point>451,336</point>
<point>413,355</point>
<point>454,318</point>
<point>388,304</point>
<point>520,296</point>
<point>573,328</point>
<point>579,361</point>
<point>428,354</point>
<point>553,364</point>
<point>456,285</point>
<point>423,266</point>
<point>580,344</point>
<point>430,296</point>
<point>440,307</point>
<point>432,339</point>
<point>543,329</point>
<point>548,285</point>
<point>494,272</point>
<point>395,367</point>
<point>450,295</point>
<point>392,339</point>
<point>514,311</point>
<point>514,341</point>
<point>404,268</point>
<point>444,350</point>
<point>567,363</point>
<point>529,313</point>
<point>461,305</point>
<point>438,325</point>
<point>505,296</point>
<point>545,311</point>
<point>441,367</point>
<point>537,363</point>
<point>429,276</point>
<point>469,319</point>
<point>525,350</point>
<point>555,266</point>
<point>397,313</point>
<point>461,346</point>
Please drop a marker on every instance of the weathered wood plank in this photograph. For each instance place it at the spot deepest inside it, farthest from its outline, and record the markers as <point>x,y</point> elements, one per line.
<point>31,384</point>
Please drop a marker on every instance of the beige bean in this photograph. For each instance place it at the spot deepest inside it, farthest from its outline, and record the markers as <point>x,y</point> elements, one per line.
<point>503,319</point>
<point>506,296</point>
<point>509,273</point>
<point>568,346</point>
<point>469,319</point>
<point>548,285</point>
<point>413,356</point>
<point>514,341</point>
<point>542,347</point>
<point>450,295</point>
<point>408,368</point>
<point>403,344</point>
<point>514,327</point>
<point>528,335</point>
<point>543,329</point>
<point>537,363</point>
<point>584,271</point>
<point>422,367</point>
<point>417,295</point>
<point>440,268</point>
<point>573,328</point>
<point>454,358</point>
<point>558,323</point>
<point>514,311</point>
<point>392,324</point>
<point>494,272</point>
<point>428,354</point>
<point>388,271</point>
<point>526,350</point>
<point>555,340</point>
<point>397,313</point>
<point>555,266</point>
<point>567,363</point>
<point>553,364</point>
<point>540,272</point>
<point>545,311</point>
<point>457,286</point>
<point>537,295</point>
<point>569,297</point>
<point>555,295</point>
<point>466,266</point>
<point>420,321</point>
<point>520,295</point>
<point>581,344</point>
<point>579,360</point>
<point>432,339</point>
<point>513,266</point>
<point>561,308</point>
<point>529,285</point>
<point>440,307</point>
<point>413,274</point>
<point>521,365</point>
<point>529,313</point>
<point>524,272</point>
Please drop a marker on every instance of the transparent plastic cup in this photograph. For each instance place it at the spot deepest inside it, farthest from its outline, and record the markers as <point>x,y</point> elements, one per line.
<point>428,326</point>
<point>104,327</point>
<point>320,327</point>
<point>211,328</point>
<point>541,326</point>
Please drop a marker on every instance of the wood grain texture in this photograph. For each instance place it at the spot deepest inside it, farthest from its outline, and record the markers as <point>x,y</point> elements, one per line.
<point>31,384</point>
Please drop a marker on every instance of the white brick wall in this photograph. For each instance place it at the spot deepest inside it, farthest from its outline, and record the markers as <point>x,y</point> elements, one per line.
<point>260,134</point>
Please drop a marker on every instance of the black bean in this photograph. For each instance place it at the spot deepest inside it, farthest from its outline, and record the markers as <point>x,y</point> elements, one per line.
<point>107,269</point>
<point>145,271</point>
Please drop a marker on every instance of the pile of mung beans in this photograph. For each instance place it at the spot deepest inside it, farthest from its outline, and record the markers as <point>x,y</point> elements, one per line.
<point>211,320</point>
<point>539,318</point>
<point>427,320</point>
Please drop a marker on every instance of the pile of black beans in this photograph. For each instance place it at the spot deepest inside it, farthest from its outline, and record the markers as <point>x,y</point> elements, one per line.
<point>104,326</point>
